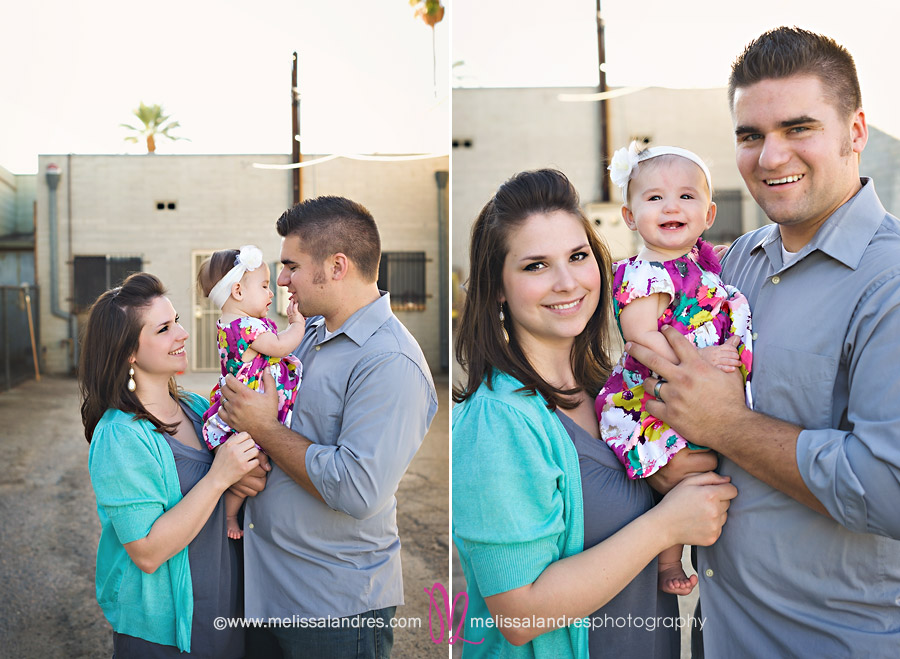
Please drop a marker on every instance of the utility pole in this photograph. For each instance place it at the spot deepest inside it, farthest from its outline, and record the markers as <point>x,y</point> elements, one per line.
<point>295,131</point>
<point>604,110</point>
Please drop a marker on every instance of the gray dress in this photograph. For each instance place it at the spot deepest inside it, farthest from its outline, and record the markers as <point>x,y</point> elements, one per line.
<point>216,574</point>
<point>611,501</point>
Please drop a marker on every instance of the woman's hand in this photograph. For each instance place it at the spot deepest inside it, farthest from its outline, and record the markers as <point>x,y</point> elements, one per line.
<point>696,508</point>
<point>176,528</point>
<point>254,481</point>
<point>572,587</point>
<point>234,459</point>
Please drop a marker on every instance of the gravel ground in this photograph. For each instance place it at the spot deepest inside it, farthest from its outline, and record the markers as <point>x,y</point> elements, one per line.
<point>49,530</point>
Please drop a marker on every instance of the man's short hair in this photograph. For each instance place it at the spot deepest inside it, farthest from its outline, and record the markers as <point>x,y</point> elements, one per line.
<point>790,51</point>
<point>327,225</point>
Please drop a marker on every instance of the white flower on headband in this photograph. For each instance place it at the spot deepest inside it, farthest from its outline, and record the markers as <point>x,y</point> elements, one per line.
<point>250,257</point>
<point>623,163</point>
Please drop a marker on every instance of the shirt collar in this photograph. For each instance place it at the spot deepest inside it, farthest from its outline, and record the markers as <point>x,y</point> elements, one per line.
<point>845,234</point>
<point>362,324</point>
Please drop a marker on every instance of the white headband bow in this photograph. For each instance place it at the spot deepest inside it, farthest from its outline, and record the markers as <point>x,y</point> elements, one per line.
<point>248,260</point>
<point>625,160</point>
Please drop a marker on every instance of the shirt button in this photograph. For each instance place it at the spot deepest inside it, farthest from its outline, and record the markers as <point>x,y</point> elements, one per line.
<point>755,336</point>
<point>776,279</point>
<point>318,347</point>
<point>251,526</point>
<point>709,572</point>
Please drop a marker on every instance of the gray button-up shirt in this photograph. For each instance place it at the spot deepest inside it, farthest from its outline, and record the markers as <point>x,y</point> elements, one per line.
<point>784,580</point>
<point>366,401</point>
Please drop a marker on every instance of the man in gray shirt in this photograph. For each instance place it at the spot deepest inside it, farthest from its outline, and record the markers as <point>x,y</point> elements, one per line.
<point>321,540</point>
<point>808,563</point>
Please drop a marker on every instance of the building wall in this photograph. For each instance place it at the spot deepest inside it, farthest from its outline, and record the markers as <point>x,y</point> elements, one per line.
<point>107,205</point>
<point>7,203</point>
<point>403,198</point>
<point>517,129</point>
<point>16,203</point>
<point>26,187</point>
<point>879,160</point>
<point>16,228</point>
<point>711,135</point>
<point>695,119</point>
<point>512,130</point>
<point>16,267</point>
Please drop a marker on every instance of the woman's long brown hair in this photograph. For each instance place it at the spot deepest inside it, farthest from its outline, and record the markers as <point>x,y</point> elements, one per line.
<point>480,345</point>
<point>110,338</point>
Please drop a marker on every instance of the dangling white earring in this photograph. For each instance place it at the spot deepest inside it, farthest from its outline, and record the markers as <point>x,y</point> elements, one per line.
<point>131,385</point>
<point>502,326</point>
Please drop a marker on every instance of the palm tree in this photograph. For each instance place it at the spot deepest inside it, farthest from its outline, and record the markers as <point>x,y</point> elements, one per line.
<point>432,12</point>
<point>153,119</point>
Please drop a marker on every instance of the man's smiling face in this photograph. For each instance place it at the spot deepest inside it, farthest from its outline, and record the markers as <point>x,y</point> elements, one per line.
<point>797,154</point>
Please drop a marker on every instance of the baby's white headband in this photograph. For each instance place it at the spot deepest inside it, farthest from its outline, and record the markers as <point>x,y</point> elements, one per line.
<point>624,161</point>
<point>248,260</point>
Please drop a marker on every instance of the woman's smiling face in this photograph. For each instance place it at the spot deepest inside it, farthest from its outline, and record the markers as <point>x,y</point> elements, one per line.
<point>551,279</point>
<point>161,343</point>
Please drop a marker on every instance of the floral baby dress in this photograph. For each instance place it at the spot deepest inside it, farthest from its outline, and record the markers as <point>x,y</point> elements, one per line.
<point>234,338</point>
<point>702,308</point>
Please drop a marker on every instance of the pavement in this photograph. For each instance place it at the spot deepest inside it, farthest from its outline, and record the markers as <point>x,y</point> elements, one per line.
<point>49,528</point>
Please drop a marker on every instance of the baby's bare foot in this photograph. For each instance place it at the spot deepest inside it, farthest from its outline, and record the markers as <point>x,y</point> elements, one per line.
<point>672,579</point>
<point>234,530</point>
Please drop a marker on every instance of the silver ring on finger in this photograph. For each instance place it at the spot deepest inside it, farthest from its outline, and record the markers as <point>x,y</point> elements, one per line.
<point>659,383</point>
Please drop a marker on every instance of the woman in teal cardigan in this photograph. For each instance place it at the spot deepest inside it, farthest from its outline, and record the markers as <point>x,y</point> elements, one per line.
<point>159,491</point>
<point>556,543</point>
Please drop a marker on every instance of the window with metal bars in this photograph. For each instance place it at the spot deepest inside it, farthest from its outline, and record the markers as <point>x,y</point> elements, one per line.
<point>96,274</point>
<point>402,274</point>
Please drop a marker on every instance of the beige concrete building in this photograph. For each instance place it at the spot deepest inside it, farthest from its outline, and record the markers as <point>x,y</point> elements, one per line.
<point>16,228</point>
<point>165,214</point>
<point>497,132</point>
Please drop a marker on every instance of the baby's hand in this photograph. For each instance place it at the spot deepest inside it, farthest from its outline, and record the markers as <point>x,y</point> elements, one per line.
<point>293,313</point>
<point>724,357</point>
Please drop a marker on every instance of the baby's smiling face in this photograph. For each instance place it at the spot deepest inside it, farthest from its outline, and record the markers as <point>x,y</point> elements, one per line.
<point>669,205</point>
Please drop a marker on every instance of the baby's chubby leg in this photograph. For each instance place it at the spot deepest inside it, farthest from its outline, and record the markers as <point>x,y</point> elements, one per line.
<point>233,503</point>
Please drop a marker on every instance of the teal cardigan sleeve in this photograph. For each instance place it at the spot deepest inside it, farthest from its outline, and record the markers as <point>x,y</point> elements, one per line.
<point>517,503</point>
<point>508,508</point>
<point>129,480</point>
<point>135,481</point>
<point>131,476</point>
<point>517,508</point>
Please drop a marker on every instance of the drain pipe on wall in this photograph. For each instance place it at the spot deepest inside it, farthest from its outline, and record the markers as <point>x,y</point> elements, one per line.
<point>73,319</point>
<point>53,175</point>
<point>441,178</point>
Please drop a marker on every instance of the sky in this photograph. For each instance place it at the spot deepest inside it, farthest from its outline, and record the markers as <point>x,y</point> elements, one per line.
<point>663,43</point>
<point>72,72</point>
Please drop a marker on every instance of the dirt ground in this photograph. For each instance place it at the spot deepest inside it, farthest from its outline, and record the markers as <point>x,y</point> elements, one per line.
<point>49,528</point>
